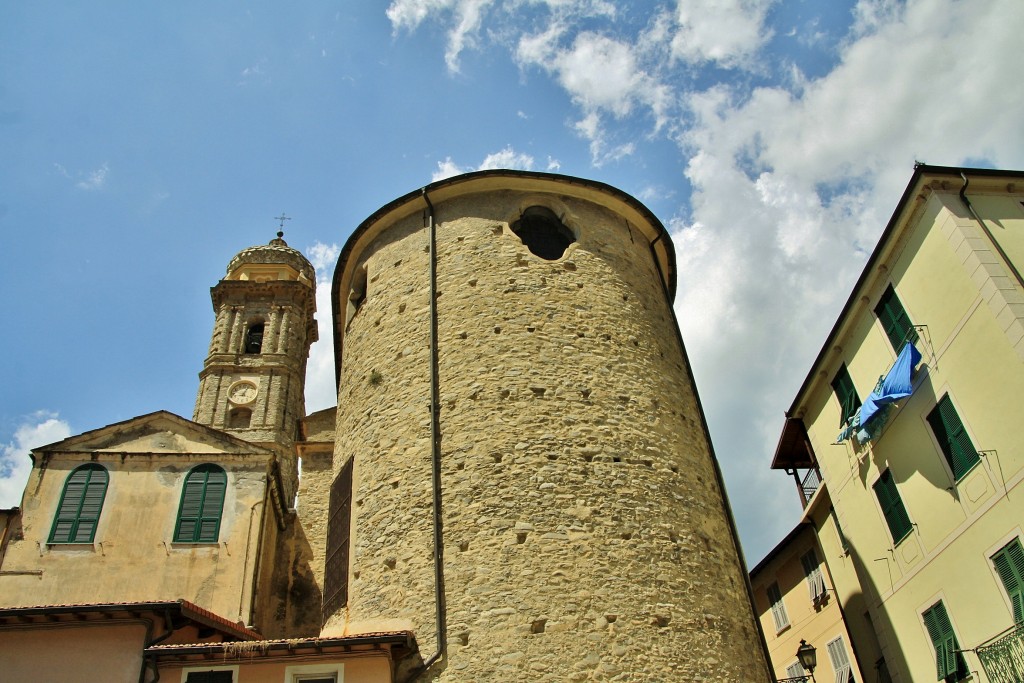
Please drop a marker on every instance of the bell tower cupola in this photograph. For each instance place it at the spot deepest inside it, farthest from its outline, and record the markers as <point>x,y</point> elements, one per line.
<point>252,383</point>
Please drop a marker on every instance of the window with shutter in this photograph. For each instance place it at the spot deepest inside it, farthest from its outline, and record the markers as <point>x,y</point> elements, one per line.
<point>795,670</point>
<point>840,661</point>
<point>338,532</point>
<point>892,507</point>
<point>949,663</point>
<point>202,502</point>
<point>812,570</point>
<point>80,505</point>
<point>849,402</point>
<point>953,438</point>
<point>895,320</point>
<point>1009,564</point>
<point>778,607</point>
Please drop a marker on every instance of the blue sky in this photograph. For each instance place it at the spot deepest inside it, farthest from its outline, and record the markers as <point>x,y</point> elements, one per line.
<point>146,143</point>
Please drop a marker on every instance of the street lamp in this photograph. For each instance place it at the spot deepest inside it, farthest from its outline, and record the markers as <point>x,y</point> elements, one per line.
<point>808,657</point>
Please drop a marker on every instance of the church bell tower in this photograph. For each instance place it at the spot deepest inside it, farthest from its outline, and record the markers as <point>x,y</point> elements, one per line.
<point>252,383</point>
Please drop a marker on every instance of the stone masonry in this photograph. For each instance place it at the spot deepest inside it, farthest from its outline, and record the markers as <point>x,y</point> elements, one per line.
<point>585,535</point>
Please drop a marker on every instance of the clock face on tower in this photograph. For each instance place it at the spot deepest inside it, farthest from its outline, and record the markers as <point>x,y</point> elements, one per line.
<point>242,392</point>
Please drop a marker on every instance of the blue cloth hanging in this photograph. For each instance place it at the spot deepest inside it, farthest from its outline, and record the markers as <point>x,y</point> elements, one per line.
<point>894,386</point>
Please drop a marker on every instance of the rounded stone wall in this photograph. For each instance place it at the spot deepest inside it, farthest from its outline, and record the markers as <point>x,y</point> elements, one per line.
<point>584,531</point>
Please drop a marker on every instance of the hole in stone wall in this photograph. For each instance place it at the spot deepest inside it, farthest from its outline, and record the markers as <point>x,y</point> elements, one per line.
<point>626,535</point>
<point>543,233</point>
<point>390,563</point>
<point>538,625</point>
<point>521,537</point>
<point>464,546</point>
<point>538,392</point>
<point>661,620</point>
<point>616,459</point>
<point>497,330</point>
<point>552,456</point>
<point>239,418</point>
<point>497,457</point>
<point>463,638</point>
<point>585,393</point>
<point>610,618</point>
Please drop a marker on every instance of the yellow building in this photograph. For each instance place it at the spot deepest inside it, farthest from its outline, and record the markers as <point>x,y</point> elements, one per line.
<point>796,602</point>
<point>910,417</point>
<point>517,479</point>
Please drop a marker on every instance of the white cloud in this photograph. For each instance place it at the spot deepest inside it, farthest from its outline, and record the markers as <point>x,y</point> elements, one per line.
<point>321,391</point>
<point>728,32</point>
<point>323,257</point>
<point>447,169</point>
<point>38,429</point>
<point>89,180</point>
<point>505,158</point>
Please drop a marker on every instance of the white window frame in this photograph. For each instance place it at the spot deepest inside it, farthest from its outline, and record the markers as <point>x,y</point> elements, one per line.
<point>795,670</point>
<point>302,672</point>
<point>203,669</point>
<point>843,669</point>
<point>815,578</point>
<point>779,613</point>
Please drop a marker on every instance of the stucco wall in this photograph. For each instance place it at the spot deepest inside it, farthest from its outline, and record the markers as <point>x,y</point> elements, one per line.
<point>133,557</point>
<point>73,654</point>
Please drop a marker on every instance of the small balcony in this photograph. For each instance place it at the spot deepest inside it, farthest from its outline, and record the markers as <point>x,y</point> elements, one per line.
<point>809,483</point>
<point>1003,656</point>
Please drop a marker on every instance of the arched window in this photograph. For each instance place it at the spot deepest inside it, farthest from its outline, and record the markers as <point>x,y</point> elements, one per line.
<point>254,338</point>
<point>80,504</point>
<point>543,233</point>
<point>202,501</point>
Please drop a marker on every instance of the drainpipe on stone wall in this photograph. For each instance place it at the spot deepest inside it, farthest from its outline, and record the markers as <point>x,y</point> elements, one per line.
<point>1002,254</point>
<point>245,562</point>
<point>714,461</point>
<point>435,441</point>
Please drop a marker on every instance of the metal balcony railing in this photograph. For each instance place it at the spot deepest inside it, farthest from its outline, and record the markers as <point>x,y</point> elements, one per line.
<point>809,484</point>
<point>1003,656</point>
<point>795,679</point>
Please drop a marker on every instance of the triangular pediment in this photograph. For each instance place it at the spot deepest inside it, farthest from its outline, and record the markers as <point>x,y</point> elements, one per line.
<point>159,432</point>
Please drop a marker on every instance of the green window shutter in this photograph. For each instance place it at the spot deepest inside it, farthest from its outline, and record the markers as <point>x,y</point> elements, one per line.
<point>846,393</point>
<point>202,502</point>
<point>953,438</point>
<point>895,321</point>
<point>895,513</point>
<point>950,664</point>
<point>81,502</point>
<point>1009,564</point>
